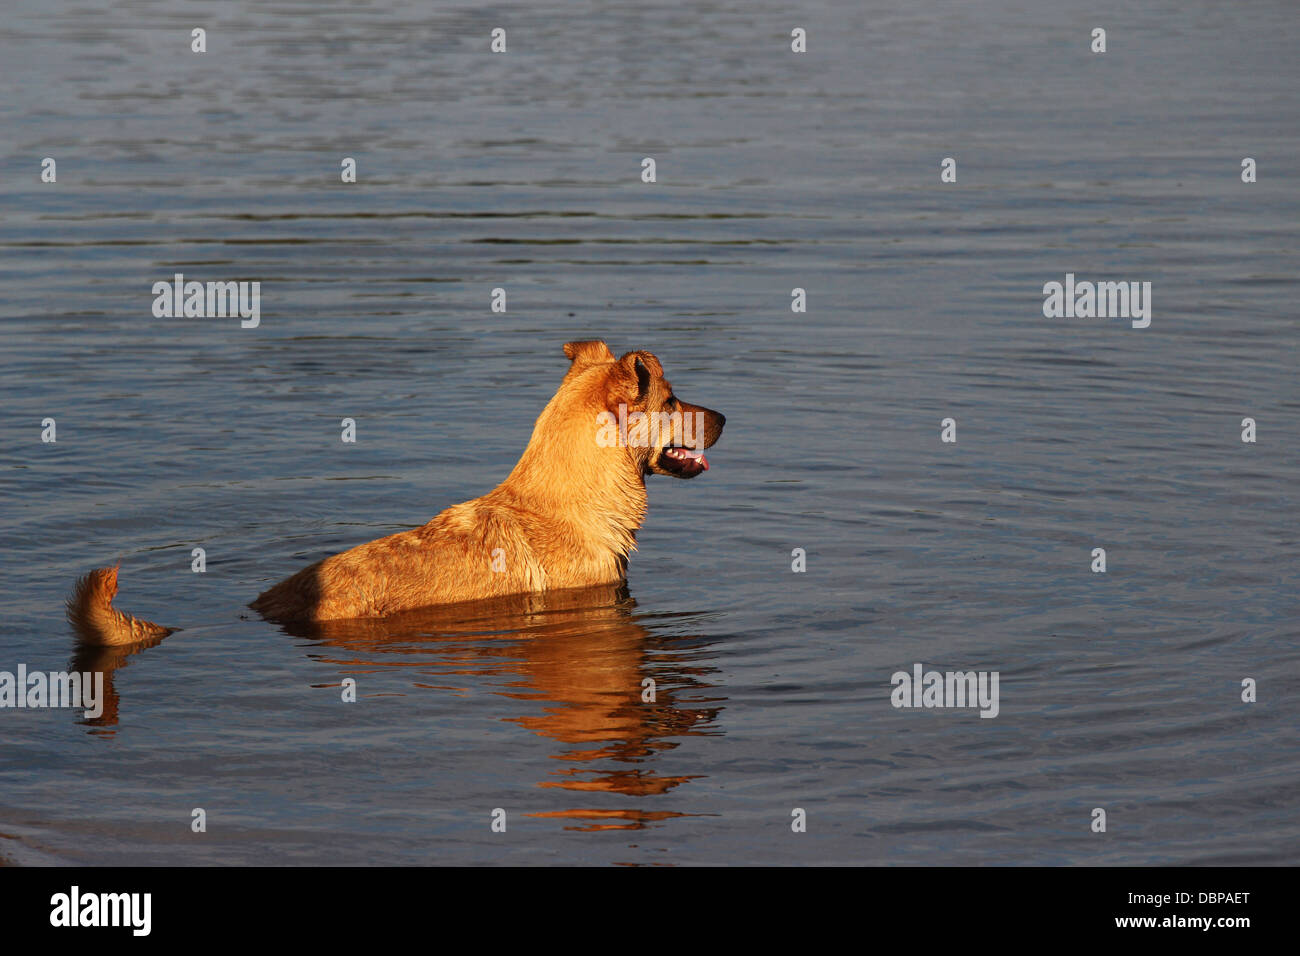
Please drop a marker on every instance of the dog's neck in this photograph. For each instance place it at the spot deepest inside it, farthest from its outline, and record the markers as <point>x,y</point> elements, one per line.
<point>594,496</point>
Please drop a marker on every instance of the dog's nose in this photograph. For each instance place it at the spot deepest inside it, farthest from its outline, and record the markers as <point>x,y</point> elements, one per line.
<point>722,420</point>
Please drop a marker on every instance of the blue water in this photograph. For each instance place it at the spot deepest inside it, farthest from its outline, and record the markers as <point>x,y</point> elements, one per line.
<point>775,170</point>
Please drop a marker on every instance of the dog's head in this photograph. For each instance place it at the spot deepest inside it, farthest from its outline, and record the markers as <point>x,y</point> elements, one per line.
<point>638,412</point>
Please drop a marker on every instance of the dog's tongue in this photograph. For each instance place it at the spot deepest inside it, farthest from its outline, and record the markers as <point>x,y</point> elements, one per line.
<point>697,456</point>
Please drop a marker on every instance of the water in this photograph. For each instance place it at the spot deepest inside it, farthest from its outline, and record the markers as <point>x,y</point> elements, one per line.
<point>775,171</point>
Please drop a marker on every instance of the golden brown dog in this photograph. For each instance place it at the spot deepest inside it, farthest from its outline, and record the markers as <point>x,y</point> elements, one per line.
<point>565,517</point>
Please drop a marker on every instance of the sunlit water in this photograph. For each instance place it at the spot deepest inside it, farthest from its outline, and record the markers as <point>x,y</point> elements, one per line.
<point>775,171</point>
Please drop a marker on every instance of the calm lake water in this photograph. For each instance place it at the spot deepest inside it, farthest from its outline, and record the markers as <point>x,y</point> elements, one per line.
<point>775,170</point>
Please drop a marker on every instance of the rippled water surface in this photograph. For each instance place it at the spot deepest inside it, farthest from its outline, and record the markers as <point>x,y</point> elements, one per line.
<point>775,171</point>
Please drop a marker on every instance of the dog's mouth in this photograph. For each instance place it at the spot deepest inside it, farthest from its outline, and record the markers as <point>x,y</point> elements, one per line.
<point>682,462</point>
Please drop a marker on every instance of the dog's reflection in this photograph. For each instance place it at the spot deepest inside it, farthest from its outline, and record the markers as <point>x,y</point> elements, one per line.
<point>97,659</point>
<point>609,691</point>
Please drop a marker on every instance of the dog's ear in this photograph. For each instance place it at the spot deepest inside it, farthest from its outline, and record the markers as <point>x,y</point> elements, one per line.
<point>631,378</point>
<point>588,353</point>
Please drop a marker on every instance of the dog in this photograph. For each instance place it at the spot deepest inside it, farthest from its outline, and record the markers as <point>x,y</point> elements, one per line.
<point>565,517</point>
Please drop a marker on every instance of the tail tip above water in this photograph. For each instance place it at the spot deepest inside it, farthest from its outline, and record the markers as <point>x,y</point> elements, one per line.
<point>91,613</point>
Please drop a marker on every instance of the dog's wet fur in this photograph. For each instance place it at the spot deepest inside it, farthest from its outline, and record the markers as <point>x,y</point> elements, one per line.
<point>565,517</point>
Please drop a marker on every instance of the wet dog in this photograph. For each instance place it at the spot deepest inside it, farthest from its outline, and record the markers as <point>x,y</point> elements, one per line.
<point>565,517</point>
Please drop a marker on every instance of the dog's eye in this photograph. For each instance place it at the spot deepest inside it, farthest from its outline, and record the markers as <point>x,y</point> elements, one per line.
<point>672,401</point>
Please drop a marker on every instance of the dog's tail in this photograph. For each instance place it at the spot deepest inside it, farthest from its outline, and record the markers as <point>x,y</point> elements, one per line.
<point>91,611</point>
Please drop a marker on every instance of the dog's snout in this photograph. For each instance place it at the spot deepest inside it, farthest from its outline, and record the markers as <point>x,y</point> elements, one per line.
<point>713,422</point>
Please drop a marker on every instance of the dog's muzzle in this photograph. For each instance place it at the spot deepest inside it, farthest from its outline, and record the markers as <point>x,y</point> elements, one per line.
<point>685,458</point>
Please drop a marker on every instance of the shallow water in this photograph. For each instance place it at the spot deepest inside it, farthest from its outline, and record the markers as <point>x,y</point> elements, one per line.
<point>1118,690</point>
